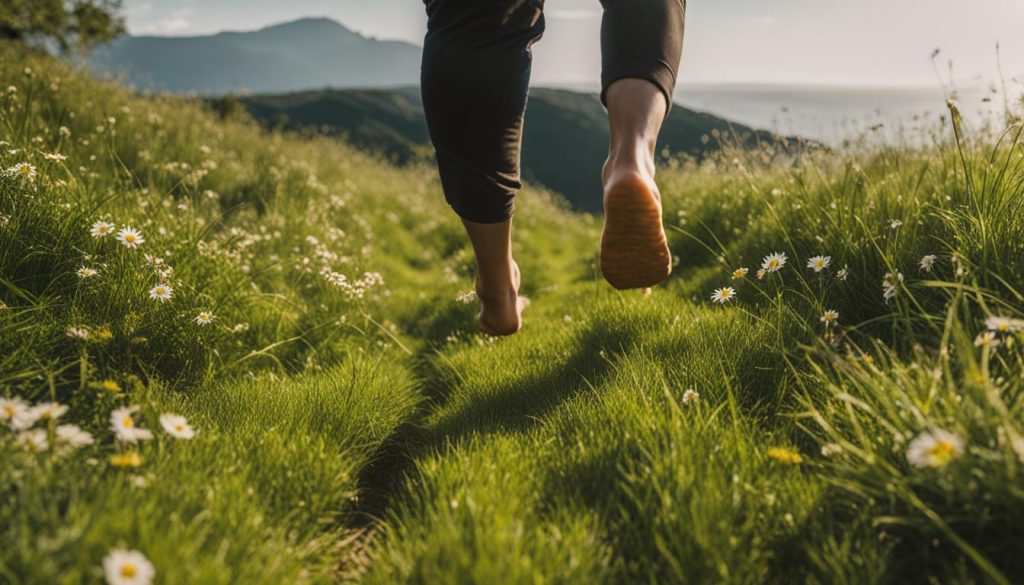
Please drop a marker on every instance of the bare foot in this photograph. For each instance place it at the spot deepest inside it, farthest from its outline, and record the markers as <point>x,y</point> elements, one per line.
<point>501,313</point>
<point>634,250</point>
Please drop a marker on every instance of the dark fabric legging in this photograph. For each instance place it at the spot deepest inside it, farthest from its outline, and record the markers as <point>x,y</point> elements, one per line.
<point>475,75</point>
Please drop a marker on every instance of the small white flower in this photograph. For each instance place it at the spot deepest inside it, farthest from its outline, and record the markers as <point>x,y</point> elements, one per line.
<point>55,157</point>
<point>176,426</point>
<point>690,395</point>
<point>12,409</point>
<point>934,448</point>
<point>86,272</point>
<point>829,317</point>
<point>843,273</point>
<point>927,262</point>
<point>819,263</point>
<point>49,410</point>
<point>830,449</point>
<point>739,273</point>
<point>73,437</point>
<point>35,441</point>
<point>161,292</point>
<point>124,428</point>
<point>80,333</point>
<point>204,318</point>
<point>895,224</point>
<point>987,339</point>
<point>1004,324</point>
<point>128,567</point>
<point>102,229</point>
<point>890,284</point>
<point>467,298</point>
<point>774,262</point>
<point>130,237</point>
<point>22,170</point>
<point>723,295</point>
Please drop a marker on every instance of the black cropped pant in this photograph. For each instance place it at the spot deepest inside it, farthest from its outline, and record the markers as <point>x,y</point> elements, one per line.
<point>476,72</point>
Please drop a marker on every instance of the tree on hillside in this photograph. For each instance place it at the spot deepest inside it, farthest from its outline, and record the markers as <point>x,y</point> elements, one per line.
<point>63,24</point>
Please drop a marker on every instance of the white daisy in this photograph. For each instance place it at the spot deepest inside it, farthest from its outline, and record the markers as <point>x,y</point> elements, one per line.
<point>176,426</point>
<point>130,237</point>
<point>55,157</point>
<point>73,437</point>
<point>739,273</point>
<point>927,262</point>
<point>161,292</point>
<point>22,170</point>
<point>12,409</point>
<point>204,318</point>
<point>35,441</point>
<point>934,449</point>
<point>49,410</point>
<point>723,295</point>
<point>895,224</point>
<point>829,317</point>
<point>987,339</point>
<point>123,424</point>
<point>843,273</point>
<point>86,272</point>
<point>690,395</point>
<point>128,567</point>
<point>819,263</point>
<point>1004,324</point>
<point>102,229</point>
<point>774,262</point>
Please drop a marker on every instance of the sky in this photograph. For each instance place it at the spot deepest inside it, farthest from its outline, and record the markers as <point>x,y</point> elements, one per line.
<point>833,42</point>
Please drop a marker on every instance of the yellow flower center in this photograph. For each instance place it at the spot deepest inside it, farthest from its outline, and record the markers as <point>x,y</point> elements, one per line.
<point>127,422</point>
<point>179,427</point>
<point>25,170</point>
<point>129,238</point>
<point>942,451</point>
<point>8,410</point>
<point>773,263</point>
<point>1003,327</point>
<point>128,570</point>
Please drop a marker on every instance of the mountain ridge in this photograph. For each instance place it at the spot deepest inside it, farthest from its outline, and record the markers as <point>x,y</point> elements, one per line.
<point>565,137</point>
<point>288,56</point>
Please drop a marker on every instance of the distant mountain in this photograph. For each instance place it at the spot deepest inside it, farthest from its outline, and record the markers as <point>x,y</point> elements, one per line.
<point>312,52</point>
<point>564,145</point>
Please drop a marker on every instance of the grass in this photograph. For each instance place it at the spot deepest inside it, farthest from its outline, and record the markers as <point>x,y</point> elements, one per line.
<point>369,434</point>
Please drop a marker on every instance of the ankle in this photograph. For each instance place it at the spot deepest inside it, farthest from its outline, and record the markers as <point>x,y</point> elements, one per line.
<point>629,159</point>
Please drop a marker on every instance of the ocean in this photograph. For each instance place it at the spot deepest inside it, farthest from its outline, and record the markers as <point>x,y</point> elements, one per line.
<point>833,114</point>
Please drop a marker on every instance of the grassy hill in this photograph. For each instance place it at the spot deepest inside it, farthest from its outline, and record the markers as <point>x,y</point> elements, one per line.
<point>564,144</point>
<point>311,52</point>
<point>350,424</point>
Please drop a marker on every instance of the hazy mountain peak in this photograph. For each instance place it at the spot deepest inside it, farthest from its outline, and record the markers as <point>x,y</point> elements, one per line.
<point>308,25</point>
<point>306,53</point>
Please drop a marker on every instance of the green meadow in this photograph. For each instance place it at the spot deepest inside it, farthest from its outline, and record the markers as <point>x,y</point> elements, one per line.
<point>829,389</point>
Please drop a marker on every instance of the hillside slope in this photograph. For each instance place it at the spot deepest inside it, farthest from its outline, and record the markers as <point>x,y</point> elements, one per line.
<point>565,141</point>
<point>311,52</point>
<point>853,414</point>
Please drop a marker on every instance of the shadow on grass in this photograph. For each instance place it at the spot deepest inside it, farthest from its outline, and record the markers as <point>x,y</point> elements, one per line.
<point>519,403</point>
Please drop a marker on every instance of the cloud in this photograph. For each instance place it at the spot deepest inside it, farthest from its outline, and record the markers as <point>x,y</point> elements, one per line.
<point>573,14</point>
<point>166,25</point>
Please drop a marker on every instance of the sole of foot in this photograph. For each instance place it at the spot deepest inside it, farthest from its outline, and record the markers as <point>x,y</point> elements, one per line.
<point>634,250</point>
